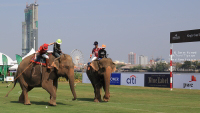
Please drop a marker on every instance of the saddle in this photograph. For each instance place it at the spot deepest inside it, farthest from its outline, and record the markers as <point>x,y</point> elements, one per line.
<point>39,60</point>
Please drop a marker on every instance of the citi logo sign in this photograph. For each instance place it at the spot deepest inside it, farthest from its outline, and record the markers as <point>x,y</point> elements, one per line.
<point>176,37</point>
<point>190,85</point>
<point>131,80</point>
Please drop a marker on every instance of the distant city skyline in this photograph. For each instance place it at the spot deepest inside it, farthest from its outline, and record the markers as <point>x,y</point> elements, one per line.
<point>143,60</point>
<point>123,26</point>
<point>132,58</point>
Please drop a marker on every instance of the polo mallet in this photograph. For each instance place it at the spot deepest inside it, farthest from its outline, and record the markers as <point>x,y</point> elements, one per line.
<point>17,78</point>
<point>20,74</point>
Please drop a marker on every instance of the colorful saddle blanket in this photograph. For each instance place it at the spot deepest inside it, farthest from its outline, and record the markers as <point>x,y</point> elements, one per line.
<point>39,60</point>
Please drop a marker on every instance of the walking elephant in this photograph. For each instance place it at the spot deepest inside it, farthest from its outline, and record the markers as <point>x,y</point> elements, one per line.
<point>99,72</point>
<point>34,75</point>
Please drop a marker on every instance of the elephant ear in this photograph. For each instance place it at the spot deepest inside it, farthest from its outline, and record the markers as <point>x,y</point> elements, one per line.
<point>56,63</point>
<point>94,65</point>
<point>113,67</point>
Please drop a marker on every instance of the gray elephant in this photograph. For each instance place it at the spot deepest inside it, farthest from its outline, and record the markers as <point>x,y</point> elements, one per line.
<point>39,76</point>
<point>99,72</point>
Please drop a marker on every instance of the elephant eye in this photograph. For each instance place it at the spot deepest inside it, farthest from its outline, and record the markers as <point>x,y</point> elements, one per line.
<point>66,67</point>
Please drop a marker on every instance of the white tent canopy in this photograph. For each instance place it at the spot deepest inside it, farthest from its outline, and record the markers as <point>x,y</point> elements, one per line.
<point>30,53</point>
<point>15,66</point>
<point>9,59</point>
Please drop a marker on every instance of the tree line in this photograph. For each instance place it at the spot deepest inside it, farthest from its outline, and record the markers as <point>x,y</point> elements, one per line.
<point>163,67</point>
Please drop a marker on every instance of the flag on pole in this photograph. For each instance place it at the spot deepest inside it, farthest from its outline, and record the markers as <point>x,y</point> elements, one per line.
<point>1,70</point>
<point>18,58</point>
<point>5,65</point>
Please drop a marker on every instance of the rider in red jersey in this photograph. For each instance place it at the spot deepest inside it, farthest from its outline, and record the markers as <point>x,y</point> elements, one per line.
<point>95,51</point>
<point>42,51</point>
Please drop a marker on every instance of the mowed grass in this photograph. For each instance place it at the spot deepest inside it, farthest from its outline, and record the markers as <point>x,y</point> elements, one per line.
<point>124,99</point>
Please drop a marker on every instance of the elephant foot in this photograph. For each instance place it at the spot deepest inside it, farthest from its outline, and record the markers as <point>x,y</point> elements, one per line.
<point>27,103</point>
<point>105,98</point>
<point>74,99</point>
<point>96,100</point>
<point>52,103</point>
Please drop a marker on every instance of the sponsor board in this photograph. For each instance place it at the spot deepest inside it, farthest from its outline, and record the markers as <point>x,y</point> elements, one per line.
<point>115,79</point>
<point>85,78</point>
<point>157,80</point>
<point>10,78</point>
<point>186,81</point>
<point>132,79</point>
<point>185,36</point>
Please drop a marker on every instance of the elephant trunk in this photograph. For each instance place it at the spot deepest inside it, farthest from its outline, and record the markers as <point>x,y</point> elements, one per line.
<point>107,83</point>
<point>71,82</point>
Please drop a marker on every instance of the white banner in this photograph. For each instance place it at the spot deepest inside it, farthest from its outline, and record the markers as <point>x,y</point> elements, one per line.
<point>85,78</point>
<point>186,81</point>
<point>10,78</point>
<point>132,79</point>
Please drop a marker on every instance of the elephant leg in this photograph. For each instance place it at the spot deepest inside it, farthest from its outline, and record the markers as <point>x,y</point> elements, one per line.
<point>104,88</point>
<point>97,93</point>
<point>93,85</point>
<point>48,86</point>
<point>107,83</point>
<point>55,85</point>
<point>71,82</point>
<point>22,96</point>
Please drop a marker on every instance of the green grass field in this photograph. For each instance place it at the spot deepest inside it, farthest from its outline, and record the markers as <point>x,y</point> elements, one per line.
<point>124,99</point>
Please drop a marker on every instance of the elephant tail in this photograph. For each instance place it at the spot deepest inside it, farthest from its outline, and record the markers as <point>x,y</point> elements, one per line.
<point>12,88</point>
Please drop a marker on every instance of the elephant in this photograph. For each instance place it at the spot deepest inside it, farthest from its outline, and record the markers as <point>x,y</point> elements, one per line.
<point>40,76</point>
<point>99,72</point>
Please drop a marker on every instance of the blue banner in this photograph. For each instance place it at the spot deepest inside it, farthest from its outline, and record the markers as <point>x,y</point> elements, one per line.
<point>115,79</point>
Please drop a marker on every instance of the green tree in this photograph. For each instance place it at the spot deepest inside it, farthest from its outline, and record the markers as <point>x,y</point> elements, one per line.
<point>161,67</point>
<point>139,67</point>
<point>118,66</point>
<point>151,69</point>
<point>194,64</point>
<point>198,65</point>
<point>187,65</point>
<point>178,66</point>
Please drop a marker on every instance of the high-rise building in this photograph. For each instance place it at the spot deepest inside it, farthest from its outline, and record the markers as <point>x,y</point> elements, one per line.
<point>132,58</point>
<point>143,60</point>
<point>30,28</point>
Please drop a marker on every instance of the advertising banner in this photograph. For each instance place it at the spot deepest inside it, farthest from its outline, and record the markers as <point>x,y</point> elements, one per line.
<point>85,78</point>
<point>132,79</point>
<point>9,78</point>
<point>157,80</point>
<point>115,79</point>
<point>186,81</point>
<point>185,36</point>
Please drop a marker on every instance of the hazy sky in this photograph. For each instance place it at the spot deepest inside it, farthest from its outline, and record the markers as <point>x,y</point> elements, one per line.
<point>139,26</point>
